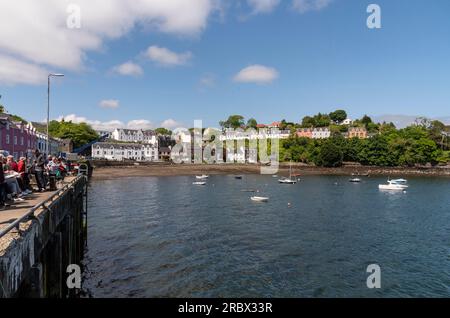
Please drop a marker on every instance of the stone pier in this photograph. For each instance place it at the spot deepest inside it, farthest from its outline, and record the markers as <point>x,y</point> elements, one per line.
<point>34,256</point>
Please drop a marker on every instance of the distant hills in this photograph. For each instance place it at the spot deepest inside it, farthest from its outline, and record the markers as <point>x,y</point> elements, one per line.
<point>402,121</point>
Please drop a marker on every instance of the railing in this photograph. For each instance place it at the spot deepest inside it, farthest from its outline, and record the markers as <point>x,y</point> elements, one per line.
<point>30,213</point>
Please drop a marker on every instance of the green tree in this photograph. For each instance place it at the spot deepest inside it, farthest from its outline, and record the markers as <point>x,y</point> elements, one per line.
<point>322,120</point>
<point>338,116</point>
<point>366,120</point>
<point>308,122</point>
<point>233,121</point>
<point>80,134</point>
<point>252,123</point>
<point>163,131</point>
<point>330,155</point>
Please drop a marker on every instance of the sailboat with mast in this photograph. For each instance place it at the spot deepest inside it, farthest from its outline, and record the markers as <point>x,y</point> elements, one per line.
<point>289,180</point>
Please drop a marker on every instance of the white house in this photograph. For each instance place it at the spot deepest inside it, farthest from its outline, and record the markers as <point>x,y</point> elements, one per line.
<point>125,151</point>
<point>41,144</point>
<point>135,135</point>
<point>347,122</point>
<point>321,133</point>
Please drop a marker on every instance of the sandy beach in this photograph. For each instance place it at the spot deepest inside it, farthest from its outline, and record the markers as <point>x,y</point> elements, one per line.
<point>111,172</point>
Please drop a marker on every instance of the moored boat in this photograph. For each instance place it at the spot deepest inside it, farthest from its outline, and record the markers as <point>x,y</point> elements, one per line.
<point>259,199</point>
<point>289,180</point>
<point>395,184</point>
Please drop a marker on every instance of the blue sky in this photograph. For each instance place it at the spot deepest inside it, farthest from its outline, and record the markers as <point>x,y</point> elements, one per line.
<point>319,59</point>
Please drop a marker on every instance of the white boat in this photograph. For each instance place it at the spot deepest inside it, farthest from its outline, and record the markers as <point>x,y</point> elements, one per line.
<point>199,183</point>
<point>289,180</point>
<point>355,180</point>
<point>259,199</point>
<point>202,177</point>
<point>395,184</point>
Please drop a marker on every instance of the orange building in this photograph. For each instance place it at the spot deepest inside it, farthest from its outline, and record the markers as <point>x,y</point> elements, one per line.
<point>357,132</point>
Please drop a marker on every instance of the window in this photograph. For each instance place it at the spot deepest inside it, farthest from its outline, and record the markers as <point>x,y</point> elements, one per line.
<point>21,141</point>
<point>15,140</point>
<point>7,139</point>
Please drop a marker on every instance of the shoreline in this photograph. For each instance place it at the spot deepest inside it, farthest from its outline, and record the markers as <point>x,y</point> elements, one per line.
<point>164,169</point>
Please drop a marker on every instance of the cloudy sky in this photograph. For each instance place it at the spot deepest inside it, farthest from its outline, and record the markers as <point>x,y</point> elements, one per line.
<point>149,63</point>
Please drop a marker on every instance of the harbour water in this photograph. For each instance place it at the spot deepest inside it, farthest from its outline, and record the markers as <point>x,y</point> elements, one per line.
<point>164,237</point>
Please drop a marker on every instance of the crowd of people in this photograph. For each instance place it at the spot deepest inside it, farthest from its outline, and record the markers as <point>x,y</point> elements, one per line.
<point>16,177</point>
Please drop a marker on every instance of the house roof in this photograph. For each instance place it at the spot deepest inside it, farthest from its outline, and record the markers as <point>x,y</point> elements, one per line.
<point>164,149</point>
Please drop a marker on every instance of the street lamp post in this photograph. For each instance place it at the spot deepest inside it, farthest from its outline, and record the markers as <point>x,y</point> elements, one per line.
<point>48,109</point>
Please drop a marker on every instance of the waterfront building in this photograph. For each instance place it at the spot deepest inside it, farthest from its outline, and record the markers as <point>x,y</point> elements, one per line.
<point>135,135</point>
<point>41,144</point>
<point>125,151</point>
<point>65,145</point>
<point>16,137</point>
<point>357,132</point>
<point>164,153</point>
<point>321,133</point>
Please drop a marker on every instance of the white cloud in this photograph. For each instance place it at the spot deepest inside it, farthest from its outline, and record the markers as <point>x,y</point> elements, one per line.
<point>113,124</point>
<point>128,69</point>
<point>13,71</point>
<point>140,124</point>
<point>258,74</point>
<point>170,124</point>
<point>263,6</point>
<point>36,32</point>
<point>164,56</point>
<point>96,124</point>
<point>303,6</point>
<point>109,103</point>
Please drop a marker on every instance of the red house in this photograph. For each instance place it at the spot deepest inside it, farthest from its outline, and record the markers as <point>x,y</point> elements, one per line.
<point>16,137</point>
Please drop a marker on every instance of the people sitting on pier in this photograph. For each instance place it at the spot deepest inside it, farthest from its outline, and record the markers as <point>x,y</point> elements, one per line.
<point>54,172</point>
<point>14,192</point>
<point>23,169</point>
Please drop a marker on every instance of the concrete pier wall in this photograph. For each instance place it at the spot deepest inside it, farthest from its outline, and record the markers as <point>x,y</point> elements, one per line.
<point>35,263</point>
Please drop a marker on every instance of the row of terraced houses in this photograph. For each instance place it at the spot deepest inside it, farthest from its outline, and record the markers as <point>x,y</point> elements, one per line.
<point>19,138</point>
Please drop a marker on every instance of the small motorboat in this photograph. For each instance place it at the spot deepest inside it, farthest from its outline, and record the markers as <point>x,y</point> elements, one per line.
<point>199,183</point>
<point>259,199</point>
<point>238,177</point>
<point>202,177</point>
<point>249,190</point>
<point>396,184</point>
<point>355,180</point>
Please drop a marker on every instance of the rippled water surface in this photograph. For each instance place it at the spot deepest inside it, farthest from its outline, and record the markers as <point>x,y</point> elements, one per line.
<point>164,237</point>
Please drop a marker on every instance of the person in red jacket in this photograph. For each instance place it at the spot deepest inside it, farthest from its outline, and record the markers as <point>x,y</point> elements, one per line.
<point>23,171</point>
<point>11,164</point>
